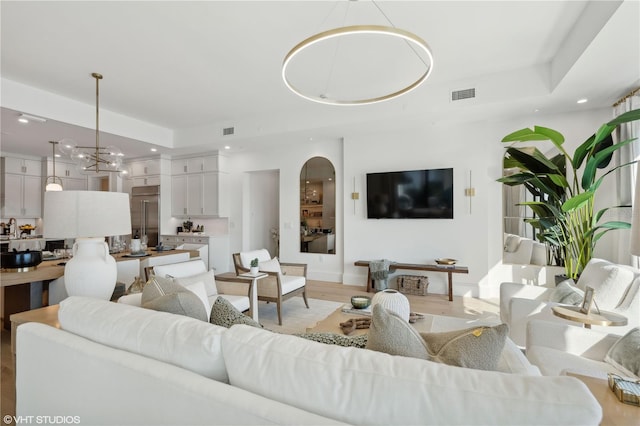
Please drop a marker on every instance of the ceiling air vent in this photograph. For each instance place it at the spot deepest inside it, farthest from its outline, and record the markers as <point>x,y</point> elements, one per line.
<point>228,131</point>
<point>463,94</point>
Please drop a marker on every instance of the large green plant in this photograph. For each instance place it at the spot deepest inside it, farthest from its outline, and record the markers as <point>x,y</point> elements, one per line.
<point>564,204</point>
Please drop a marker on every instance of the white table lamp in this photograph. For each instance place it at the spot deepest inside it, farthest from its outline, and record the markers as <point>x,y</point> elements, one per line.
<point>89,217</point>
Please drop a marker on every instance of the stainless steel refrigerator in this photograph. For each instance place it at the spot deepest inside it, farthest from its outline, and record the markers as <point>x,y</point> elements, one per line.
<point>145,213</point>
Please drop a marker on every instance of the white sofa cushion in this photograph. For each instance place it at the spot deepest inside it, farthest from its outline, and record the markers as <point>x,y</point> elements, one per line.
<point>554,362</point>
<point>247,256</point>
<point>354,385</point>
<point>175,339</point>
<point>241,303</point>
<point>290,283</point>
<point>609,280</point>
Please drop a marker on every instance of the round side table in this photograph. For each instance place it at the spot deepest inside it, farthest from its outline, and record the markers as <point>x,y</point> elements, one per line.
<point>605,318</point>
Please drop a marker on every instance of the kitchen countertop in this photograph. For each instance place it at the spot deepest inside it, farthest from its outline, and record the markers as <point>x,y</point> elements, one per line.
<point>51,269</point>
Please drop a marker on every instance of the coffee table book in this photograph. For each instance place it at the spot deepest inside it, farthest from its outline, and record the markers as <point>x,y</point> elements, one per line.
<point>349,309</point>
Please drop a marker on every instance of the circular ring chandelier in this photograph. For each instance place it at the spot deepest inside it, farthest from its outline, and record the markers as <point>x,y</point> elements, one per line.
<point>356,30</point>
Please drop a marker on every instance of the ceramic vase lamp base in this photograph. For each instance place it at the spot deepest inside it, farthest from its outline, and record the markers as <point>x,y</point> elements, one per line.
<point>92,271</point>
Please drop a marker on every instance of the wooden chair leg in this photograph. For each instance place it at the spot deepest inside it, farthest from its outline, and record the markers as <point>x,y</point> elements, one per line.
<point>304,296</point>
<point>279,305</point>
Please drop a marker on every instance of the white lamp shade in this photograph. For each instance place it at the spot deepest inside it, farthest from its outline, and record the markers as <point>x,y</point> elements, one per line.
<point>635,221</point>
<point>73,214</point>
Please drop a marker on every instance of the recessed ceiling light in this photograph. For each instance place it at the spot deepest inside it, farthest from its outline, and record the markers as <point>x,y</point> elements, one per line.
<point>153,150</point>
<point>227,147</point>
<point>582,101</point>
<point>25,118</point>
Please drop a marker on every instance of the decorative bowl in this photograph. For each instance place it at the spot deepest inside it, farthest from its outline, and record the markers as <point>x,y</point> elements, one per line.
<point>446,261</point>
<point>360,302</point>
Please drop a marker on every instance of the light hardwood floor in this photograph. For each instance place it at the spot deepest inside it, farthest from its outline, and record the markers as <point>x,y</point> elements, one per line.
<point>436,304</point>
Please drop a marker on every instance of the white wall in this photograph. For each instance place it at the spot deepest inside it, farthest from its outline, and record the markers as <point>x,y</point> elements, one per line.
<point>474,236</point>
<point>288,159</point>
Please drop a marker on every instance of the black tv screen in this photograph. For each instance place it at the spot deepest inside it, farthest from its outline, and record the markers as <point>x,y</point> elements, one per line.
<point>413,194</point>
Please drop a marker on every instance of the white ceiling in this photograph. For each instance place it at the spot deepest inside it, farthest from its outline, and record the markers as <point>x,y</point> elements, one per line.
<point>176,73</point>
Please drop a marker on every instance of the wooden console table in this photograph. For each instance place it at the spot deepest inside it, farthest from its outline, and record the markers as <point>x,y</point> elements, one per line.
<point>449,270</point>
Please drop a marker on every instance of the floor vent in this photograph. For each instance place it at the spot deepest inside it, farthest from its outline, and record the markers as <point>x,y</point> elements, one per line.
<point>228,131</point>
<point>463,94</point>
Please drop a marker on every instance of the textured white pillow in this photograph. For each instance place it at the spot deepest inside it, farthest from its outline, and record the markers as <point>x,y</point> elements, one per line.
<point>567,292</point>
<point>271,265</point>
<point>199,290</point>
<point>609,280</point>
<point>625,354</point>
<point>511,243</point>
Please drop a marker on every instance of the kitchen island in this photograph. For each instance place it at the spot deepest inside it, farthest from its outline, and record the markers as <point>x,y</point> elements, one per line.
<point>16,289</point>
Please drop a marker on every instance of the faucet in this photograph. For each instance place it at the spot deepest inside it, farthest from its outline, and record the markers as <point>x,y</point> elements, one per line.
<point>15,227</point>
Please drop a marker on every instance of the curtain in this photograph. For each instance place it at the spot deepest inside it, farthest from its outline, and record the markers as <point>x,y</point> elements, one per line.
<point>627,179</point>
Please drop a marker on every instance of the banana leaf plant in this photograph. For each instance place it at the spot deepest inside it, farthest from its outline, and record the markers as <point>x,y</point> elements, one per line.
<point>565,218</point>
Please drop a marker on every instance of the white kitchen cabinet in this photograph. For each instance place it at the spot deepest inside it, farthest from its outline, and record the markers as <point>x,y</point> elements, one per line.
<point>22,196</point>
<point>195,195</point>
<point>198,164</point>
<point>179,195</point>
<point>211,192</point>
<point>145,167</point>
<point>22,166</point>
<point>72,179</point>
<point>145,181</point>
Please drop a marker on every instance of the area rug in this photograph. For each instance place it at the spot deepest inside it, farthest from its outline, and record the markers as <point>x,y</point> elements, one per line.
<point>296,318</point>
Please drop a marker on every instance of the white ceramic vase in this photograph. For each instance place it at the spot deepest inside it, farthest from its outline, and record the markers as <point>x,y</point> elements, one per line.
<point>393,301</point>
<point>254,270</point>
<point>92,271</point>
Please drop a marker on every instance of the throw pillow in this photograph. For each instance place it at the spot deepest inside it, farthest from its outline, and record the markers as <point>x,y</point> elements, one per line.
<point>208,278</point>
<point>511,243</point>
<point>271,265</point>
<point>625,354</point>
<point>158,286</point>
<point>224,314</point>
<point>336,339</point>
<point>566,292</point>
<point>198,290</point>
<point>391,334</point>
<point>609,280</point>
<point>181,302</point>
<point>477,347</point>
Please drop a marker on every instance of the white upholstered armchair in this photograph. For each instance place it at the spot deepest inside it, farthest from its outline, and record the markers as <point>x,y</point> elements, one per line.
<point>285,280</point>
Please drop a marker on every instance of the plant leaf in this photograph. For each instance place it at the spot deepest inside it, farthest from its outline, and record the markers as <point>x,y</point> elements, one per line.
<point>553,135</point>
<point>626,117</point>
<point>577,201</point>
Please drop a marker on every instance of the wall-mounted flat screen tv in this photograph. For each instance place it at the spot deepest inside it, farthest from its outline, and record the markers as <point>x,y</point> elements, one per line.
<point>413,194</point>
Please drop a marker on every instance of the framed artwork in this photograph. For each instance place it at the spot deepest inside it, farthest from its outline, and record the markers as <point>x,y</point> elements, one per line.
<point>587,301</point>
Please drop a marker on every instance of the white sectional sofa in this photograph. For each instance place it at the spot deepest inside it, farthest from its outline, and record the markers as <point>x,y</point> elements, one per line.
<point>617,289</point>
<point>112,363</point>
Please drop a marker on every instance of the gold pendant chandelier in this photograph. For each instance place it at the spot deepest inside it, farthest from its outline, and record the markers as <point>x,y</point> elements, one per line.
<point>94,159</point>
<point>416,45</point>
